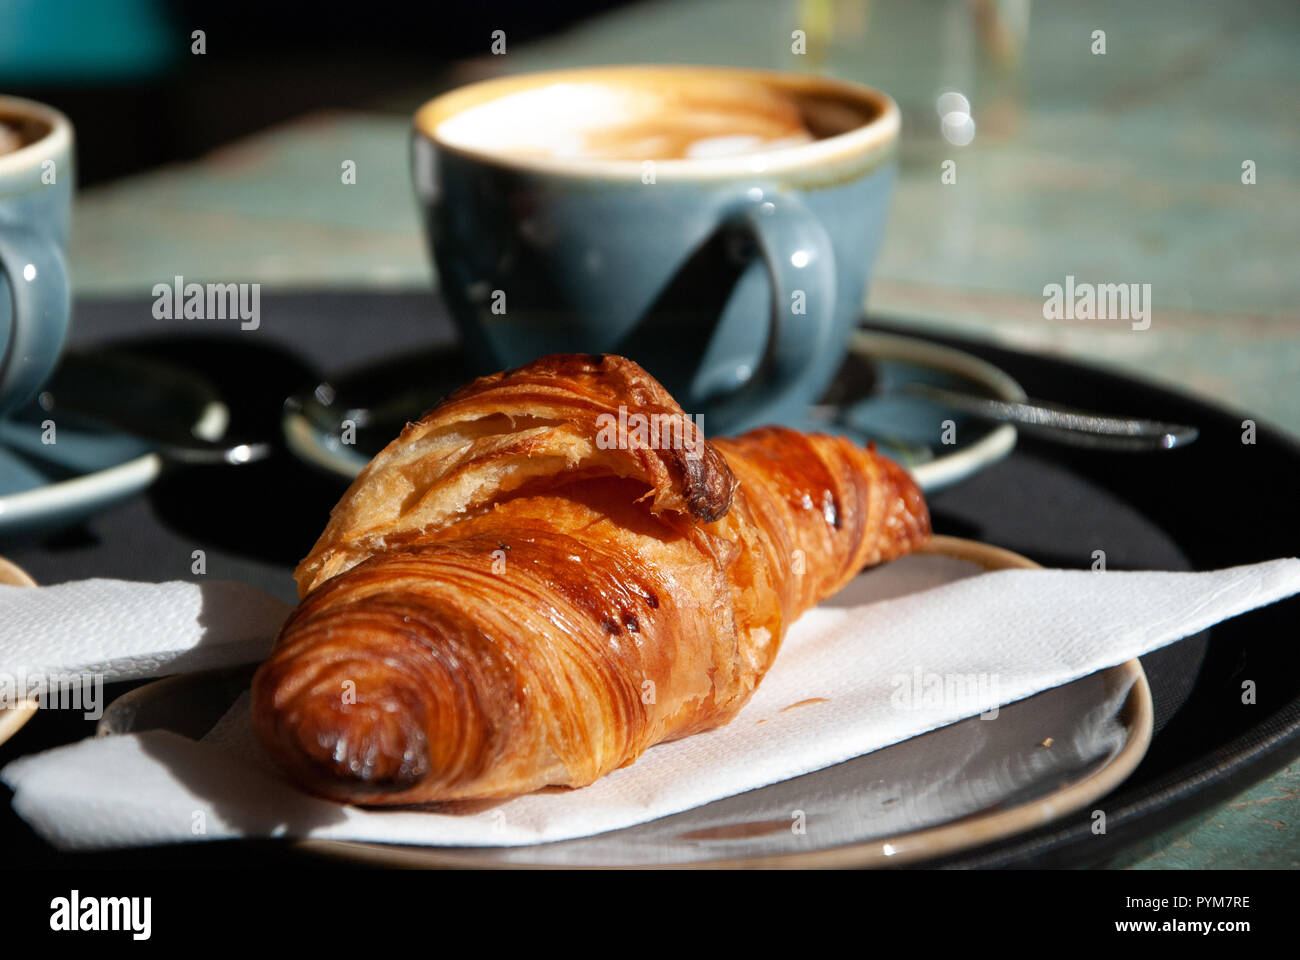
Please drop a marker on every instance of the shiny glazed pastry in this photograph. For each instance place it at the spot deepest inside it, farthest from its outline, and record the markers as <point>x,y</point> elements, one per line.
<point>551,572</point>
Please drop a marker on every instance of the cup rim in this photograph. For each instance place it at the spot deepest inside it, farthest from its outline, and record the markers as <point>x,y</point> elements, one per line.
<point>54,142</point>
<point>876,133</point>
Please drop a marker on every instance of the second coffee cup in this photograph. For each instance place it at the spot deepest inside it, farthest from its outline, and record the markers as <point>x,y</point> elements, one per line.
<point>716,225</point>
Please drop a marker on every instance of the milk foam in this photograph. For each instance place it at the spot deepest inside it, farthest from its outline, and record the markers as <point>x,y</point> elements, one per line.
<point>554,120</point>
<point>571,120</point>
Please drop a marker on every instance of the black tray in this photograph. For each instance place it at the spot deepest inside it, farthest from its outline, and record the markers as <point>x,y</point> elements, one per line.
<point>1218,503</point>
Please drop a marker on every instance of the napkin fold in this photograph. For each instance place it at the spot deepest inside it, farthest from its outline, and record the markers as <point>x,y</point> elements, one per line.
<point>127,630</point>
<point>918,644</point>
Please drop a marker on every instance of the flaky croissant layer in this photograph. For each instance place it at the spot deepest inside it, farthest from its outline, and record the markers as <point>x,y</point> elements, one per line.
<point>503,602</point>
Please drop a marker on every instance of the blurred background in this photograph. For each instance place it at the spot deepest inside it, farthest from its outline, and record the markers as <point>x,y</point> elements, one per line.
<point>1114,164</point>
<point>124,72</point>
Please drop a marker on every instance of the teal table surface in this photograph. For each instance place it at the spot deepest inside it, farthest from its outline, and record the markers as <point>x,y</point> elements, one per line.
<point>1117,167</point>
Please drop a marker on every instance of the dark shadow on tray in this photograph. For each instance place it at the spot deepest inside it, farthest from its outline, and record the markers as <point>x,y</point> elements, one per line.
<point>61,540</point>
<point>383,396</point>
<point>272,510</point>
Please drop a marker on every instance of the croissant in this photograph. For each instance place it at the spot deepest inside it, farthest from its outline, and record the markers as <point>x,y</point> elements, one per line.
<point>551,572</point>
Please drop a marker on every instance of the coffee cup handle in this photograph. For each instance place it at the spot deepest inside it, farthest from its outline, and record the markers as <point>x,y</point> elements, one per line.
<point>38,289</point>
<point>801,264</point>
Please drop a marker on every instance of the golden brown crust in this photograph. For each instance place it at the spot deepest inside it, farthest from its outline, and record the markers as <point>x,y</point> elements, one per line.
<point>493,625</point>
<point>500,432</point>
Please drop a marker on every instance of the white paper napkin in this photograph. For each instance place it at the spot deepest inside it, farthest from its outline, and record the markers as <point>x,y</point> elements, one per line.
<point>907,648</point>
<point>126,630</point>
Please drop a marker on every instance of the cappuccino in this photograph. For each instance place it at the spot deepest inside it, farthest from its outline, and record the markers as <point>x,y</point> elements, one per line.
<point>627,208</point>
<point>660,118</point>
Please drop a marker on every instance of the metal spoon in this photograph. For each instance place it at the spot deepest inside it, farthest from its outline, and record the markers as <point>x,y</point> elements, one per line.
<point>1064,424</point>
<point>174,411</point>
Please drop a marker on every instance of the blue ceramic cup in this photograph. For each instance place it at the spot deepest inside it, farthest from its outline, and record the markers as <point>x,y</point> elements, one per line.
<point>623,210</point>
<point>36,182</point>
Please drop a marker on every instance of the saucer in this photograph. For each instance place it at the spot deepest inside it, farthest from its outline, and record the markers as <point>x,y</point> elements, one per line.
<point>58,468</point>
<point>103,468</point>
<point>377,401</point>
<point>913,432</point>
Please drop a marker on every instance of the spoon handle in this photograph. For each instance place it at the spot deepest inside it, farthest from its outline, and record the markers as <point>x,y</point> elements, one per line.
<point>1066,424</point>
<point>173,410</point>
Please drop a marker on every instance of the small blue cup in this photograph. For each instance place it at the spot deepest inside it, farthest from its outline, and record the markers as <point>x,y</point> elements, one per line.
<point>36,185</point>
<point>735,280</point>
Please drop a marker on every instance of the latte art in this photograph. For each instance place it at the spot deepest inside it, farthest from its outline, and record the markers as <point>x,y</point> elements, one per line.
<point>612,121</point>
